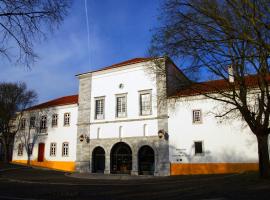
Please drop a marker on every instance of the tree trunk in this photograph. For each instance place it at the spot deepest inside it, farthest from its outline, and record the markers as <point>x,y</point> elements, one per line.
<point>264,163</point>
<point>28,159</point>
<point>6,152</point>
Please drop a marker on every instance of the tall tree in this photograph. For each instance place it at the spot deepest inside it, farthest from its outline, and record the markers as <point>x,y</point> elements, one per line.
<point>24,22</point>
<point>214,35</point>
<point>14,99</point>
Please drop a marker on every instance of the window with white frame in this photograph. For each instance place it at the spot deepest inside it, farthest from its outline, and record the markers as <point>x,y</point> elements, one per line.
<point>43,123</point>
<point>65,149</point>
<point>53,149</point>
<point>99,108</point>
<point>32,122</point>
<point>145,103</point>
<point>30,148</point>
<point>198,147</point>
<point>20,149</point>
<point>66,119</point>
<point>54,120</point>
<point>121,105</point>
<point>197,116</point>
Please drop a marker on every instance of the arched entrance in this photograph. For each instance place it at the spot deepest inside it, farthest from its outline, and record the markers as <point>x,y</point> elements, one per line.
<point>146,159</point>
<point>98,160</point>
<point>121,158</point>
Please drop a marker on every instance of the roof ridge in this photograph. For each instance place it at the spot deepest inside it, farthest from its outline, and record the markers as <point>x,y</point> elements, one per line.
<point>123,63</point>
<point>64,100</point>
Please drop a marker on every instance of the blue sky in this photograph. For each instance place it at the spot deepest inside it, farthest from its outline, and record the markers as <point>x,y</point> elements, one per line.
<point>119,30</point>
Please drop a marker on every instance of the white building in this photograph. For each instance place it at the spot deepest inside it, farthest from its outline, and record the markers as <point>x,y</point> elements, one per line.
<point>131,120</point>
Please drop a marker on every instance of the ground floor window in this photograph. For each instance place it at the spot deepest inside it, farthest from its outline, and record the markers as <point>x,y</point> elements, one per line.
<point>65,149</point>
<point>53,149</point>
<point>20,149</point>
<point>198,146</point>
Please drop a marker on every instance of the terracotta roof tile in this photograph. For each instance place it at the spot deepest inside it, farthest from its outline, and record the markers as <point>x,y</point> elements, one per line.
<point>66,100</point>
<point>121,64</point>
<point>214,86</point>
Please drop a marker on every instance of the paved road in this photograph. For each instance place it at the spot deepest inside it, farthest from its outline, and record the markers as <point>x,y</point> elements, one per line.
<point>28,183</point>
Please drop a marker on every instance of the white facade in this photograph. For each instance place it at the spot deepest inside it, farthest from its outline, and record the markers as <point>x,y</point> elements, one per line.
<point>58,135</point>
<point>134,79</point>
<point>102,141</point>
<point>224,140</point>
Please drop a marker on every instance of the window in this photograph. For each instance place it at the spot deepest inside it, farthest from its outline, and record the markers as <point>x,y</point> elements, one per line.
<point>32,122</point>
<point>121,106</point>
<point>197,117</point>
<point>198,145</point>
<point>99,108</point>
<point>145,103</point>
<point>54,120</point>
<point>20,149</point>
<point>23,123</point>
<point>66,119</point>
<point>43,123</point>
<point>30,148</point>
<point>53,149</point>
<point>65,149</point>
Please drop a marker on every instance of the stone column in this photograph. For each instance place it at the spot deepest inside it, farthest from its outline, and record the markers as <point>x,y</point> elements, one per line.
<point>163,161</point>
<point>134,170</point>
<point>107,164</point>
<point>83,125</point>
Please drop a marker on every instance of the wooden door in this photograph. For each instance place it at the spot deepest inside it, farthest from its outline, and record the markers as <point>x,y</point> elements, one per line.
<point>41,148</point>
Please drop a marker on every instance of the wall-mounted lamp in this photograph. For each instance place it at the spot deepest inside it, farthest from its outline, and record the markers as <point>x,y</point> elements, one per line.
<point>163,134</point>
<point>86,137</point>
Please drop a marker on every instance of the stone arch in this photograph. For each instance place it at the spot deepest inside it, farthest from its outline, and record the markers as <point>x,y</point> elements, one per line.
<point>146,160</point>
<point>98,160</point>
<point>121,158</point>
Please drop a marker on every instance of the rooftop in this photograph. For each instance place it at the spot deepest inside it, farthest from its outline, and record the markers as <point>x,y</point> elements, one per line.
<point>121,64</point>
<point>66,100</point>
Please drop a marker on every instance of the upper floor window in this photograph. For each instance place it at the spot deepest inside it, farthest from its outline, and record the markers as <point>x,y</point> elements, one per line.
<point>197,116</point>
<point>54,120</point>
<point>53,149</point>
<point>43,123</point>
<point>20,149</point>
<point>145,103</point>
<point>23,123</point>
<point>121,105</point>
<point>66,119</point>
<point>65,149</point>
<point>99,108</point>
<point>32,122</point>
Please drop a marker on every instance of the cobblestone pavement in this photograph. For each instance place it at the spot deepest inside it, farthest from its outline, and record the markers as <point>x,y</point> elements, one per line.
<point>32,183</point>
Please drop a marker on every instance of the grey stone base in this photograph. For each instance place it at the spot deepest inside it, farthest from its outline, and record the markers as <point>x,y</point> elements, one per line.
<point>160,147</point>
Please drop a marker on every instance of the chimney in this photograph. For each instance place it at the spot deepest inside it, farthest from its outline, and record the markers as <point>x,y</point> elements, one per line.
<point>230,73</point>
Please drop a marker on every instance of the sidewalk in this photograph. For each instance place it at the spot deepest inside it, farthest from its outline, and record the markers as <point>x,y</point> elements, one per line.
<point>108,176</point>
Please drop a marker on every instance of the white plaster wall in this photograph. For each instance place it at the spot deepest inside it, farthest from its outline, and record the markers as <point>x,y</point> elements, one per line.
<point>106,83</point>
<point>223,140</point>
<point>57,134</point>
<point>129,129</point>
